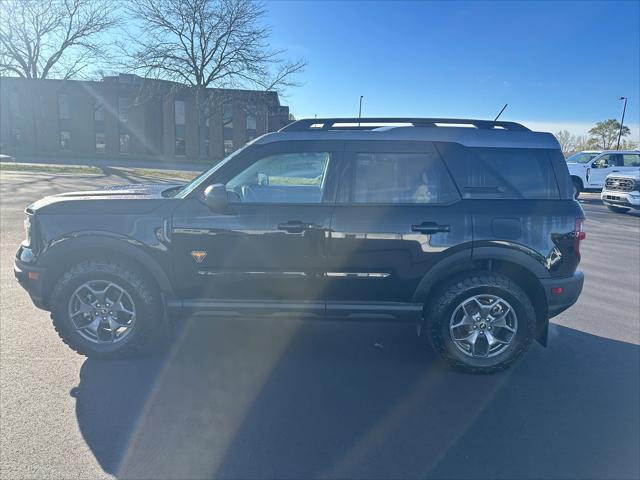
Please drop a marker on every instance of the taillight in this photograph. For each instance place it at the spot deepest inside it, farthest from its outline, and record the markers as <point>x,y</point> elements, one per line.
<point>578,235</point>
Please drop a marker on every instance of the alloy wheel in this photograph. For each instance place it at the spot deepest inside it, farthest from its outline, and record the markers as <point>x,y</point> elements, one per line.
<point>102,311</point>
<point>483,326</point>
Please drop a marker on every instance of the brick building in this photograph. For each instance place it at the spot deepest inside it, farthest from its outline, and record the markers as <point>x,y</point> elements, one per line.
<point>130,115</point>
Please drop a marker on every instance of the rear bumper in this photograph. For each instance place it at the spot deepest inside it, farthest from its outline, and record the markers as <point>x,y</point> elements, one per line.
<point>559,300</point>
<point>31,279</point>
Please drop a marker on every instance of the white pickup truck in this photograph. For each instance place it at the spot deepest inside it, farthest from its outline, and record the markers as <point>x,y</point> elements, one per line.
<point>589,174</point>
<point>621,192</point>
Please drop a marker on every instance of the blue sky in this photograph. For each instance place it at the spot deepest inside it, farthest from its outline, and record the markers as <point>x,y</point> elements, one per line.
<point>557,64</point>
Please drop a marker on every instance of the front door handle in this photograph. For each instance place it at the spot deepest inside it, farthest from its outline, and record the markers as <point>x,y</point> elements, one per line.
<point>296,226</point>
<point>430,227</point>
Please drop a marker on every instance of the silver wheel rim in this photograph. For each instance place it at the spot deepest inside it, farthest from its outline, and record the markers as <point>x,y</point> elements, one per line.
<point>483,326</point>
<point>102,311</point>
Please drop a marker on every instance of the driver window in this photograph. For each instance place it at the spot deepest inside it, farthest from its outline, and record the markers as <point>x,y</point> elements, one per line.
<point>602,162</point>
<point>282,178</point>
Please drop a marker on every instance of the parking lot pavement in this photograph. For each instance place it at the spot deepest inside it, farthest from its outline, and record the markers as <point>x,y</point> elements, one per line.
<point>249,398</point>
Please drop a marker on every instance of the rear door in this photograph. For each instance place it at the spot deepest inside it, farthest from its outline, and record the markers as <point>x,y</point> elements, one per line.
<point>397,214</point>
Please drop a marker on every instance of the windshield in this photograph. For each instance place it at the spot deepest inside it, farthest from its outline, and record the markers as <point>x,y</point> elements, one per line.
<point>581,157</point>
<point>195,183</point>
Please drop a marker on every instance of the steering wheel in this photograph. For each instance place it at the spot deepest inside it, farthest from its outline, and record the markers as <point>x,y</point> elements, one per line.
<point>248,194</point>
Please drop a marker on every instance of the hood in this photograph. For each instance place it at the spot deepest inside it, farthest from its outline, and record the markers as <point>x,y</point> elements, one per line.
<point>576,167</point>
<point>110,199</point>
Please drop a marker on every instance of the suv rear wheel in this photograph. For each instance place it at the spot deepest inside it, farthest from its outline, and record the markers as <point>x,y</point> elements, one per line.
<point>105,310</point>
<point>481,322</point>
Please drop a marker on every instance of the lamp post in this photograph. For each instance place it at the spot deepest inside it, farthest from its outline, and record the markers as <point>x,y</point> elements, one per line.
<point>624,109</point>
<point>360,110</point>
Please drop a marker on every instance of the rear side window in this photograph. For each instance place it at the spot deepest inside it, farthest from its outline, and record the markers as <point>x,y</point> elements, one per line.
<point>631,160</point>
<point>511,173</point>
<point>405,178</point>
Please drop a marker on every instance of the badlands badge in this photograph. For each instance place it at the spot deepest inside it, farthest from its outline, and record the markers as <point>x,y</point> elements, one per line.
<point>198,255</point>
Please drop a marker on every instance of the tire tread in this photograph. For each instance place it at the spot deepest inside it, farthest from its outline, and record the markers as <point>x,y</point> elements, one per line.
<point>446,295</point>
<point>145,339</point>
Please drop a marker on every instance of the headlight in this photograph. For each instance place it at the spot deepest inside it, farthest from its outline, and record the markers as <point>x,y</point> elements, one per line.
<point>27,230</point>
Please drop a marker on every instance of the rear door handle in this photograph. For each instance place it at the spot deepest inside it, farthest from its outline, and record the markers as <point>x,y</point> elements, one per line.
<point>296,226</point>
<point>430,227</point>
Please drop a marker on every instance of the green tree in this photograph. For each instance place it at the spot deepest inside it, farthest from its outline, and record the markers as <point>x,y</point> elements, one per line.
<point>605,133</point>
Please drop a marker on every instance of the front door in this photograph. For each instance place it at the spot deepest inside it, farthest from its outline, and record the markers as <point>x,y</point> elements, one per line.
<point>268,251</point>
<point>622,163</point>
<point>397,213</point>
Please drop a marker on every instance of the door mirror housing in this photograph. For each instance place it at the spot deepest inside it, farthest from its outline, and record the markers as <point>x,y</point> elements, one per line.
<point>215,196</point>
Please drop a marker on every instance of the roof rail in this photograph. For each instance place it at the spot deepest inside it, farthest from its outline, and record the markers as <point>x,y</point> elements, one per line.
<point>371,123</point>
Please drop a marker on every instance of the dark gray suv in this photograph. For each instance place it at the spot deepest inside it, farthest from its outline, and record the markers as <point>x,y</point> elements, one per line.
<point>466,227</point>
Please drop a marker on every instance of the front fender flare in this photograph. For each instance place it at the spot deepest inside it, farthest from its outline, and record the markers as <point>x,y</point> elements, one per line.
<point>65,248</point>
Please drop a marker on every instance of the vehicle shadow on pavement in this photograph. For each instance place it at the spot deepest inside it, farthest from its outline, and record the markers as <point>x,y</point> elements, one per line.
<point>248,398</point>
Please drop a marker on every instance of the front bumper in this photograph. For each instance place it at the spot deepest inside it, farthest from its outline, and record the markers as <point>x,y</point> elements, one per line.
<point>562,292</point>
<point>32,280</point>
<point>621,199</point>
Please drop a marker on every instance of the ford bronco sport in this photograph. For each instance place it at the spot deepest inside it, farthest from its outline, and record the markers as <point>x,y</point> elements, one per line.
<point>468,228</point>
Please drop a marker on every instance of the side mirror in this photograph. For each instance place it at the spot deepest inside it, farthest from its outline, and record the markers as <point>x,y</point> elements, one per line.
<point>215,196</point>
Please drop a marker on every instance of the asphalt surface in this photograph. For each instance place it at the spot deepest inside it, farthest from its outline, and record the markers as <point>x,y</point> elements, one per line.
<point>251,398</point>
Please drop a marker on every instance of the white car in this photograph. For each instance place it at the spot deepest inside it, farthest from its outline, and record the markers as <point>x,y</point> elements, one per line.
<point>621,192</point>
<point>590,175</point>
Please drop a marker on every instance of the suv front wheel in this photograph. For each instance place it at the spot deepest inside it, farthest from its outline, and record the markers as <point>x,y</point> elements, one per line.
<point>481,322</point>
<point>577,187</point>
<point>102,309</point>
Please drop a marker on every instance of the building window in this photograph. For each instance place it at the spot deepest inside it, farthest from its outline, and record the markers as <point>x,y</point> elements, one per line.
<point>98,118</point>
<point>123,109</point>
<point>63,106</point>
<point>207,130</point>
<point>251,121</point>
<point>14,126</point>
<point>125,143</point>
<point>63,121</point>
<point>123,120</point>
<point>227,125</point>
<point>179,122</point>
<point>101,142</point>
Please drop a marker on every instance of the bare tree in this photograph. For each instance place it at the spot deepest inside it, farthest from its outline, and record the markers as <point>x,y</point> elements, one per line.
<point>53,38</point>
<point>567,141</point>
<point>207,43</point>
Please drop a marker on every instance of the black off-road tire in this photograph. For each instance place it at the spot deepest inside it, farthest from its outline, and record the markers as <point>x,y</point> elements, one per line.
<point>613,208</point>
<point>577,187</point>
<point>150,326</point>
<point>445,300</point>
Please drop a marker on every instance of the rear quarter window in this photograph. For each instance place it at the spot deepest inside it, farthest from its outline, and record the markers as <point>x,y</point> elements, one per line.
<point>508,173</point>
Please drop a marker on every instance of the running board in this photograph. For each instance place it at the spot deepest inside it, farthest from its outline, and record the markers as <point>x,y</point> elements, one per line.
<point>393,311</point>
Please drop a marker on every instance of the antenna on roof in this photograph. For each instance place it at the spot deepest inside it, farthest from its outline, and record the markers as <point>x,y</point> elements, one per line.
<point>498,116</point>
